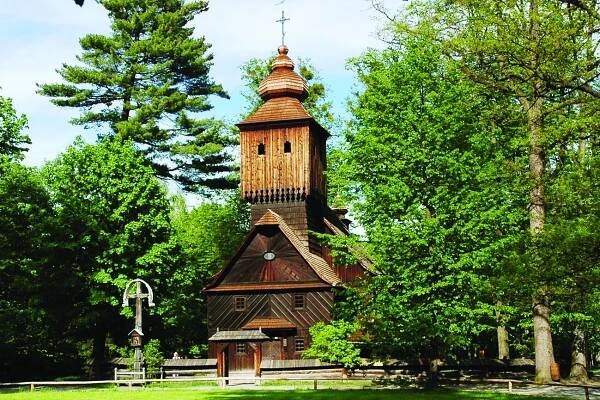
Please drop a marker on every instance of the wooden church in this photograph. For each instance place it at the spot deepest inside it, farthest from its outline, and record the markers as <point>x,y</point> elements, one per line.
<point>279,282</point>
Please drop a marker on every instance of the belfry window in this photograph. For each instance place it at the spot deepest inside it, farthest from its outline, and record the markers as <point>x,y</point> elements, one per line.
<point>287,147</point>
<point>261,149</point>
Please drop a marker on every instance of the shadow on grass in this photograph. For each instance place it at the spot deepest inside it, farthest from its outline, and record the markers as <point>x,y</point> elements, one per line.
<point>383,394</point>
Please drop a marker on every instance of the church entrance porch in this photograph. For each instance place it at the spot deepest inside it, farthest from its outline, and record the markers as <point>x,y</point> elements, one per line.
<point>238,351</point>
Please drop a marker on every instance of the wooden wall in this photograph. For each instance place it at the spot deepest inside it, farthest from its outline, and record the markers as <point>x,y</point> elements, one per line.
<point>276,174</point>
<point>222,314</point>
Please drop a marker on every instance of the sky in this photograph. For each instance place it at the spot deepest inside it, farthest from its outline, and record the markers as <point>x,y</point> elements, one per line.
<point>38,36</point>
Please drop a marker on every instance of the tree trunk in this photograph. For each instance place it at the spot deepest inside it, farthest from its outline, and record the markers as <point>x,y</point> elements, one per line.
<point>434,372</point>
<point>537,214</point>
<point>544,352</point>
<point>578,361</point>
<point>98,351</point>
<point>503,348</point>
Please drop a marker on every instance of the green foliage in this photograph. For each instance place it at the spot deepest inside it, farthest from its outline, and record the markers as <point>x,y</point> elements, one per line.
<point>147,81</point>
<point>25,244</point>
<point>12,139</point>
<point>198,351</point>
<point>329,343</point>
<point>153,357</point>
<point>570,247</point>
<point>206,236</point>
<point>317,105</point>
<point>114,224</point>
<point>432,169</point>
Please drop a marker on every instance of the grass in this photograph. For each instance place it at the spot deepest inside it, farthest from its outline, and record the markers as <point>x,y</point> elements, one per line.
<point>322,384</point>
<point>191,393</point>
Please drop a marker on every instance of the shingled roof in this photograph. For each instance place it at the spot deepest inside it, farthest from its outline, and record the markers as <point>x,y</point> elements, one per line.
<point>283,91</point>
<point>278,109</point>
<point>269,323</point>
<point>317,263</point>
<point>239,336</point>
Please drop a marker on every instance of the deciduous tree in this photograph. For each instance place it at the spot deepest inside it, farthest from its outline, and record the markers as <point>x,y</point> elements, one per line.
<point>13,141</point>
<point>114,224</point>
<point>432,165</point>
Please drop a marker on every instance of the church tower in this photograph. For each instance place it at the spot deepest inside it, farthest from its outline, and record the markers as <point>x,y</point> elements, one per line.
<point>280,281</point>
<point>283,156</point>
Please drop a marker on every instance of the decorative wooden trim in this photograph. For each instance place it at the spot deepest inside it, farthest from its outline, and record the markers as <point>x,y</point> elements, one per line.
<point>283,195</point>
<point>251,287</point>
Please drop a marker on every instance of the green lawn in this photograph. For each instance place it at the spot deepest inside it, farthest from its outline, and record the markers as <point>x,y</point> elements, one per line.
<point>233,394</point>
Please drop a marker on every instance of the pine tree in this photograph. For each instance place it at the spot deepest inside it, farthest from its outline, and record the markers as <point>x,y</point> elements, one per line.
<point>13,141</point>
<point>147,81</point>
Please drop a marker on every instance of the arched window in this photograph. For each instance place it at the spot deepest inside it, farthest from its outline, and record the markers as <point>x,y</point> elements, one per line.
<point>287,147</point>
<point>261,149</point>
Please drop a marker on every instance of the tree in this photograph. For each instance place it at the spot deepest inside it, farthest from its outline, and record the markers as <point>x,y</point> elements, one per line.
<point>317,104</point>
<point>539,52</point>
<point>113,218</point>
<point>330,343</point>
<point>147,81</point>
<point>26,339</point>
<point>12,139</point>
<point>432,168</point>
<point>542,54</point>
<point>207,236</point>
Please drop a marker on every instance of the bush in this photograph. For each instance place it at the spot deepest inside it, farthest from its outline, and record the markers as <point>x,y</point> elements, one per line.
<point>153,357</point>
<point>330,343</point>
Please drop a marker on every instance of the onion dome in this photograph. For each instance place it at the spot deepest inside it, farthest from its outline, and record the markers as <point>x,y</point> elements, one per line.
<point>283,81</point>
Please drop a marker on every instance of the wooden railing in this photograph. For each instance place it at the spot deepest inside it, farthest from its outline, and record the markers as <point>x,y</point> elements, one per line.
<point>223,381</point>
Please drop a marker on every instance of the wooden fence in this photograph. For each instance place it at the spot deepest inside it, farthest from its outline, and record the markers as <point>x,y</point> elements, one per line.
<point>224,381</point>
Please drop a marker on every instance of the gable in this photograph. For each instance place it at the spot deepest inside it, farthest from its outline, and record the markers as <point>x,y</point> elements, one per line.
<point>293,265</point>
<point>251,267</point>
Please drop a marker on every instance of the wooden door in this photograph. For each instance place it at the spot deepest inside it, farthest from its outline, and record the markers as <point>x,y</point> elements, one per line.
<point>272,350</point>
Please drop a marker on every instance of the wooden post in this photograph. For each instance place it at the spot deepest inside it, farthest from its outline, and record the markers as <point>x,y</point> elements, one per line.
<point>509,386</point>
<point>257,359</point>
<point>586,390</point>
<point>115,373</point>
<point>31,387</point>
<point>219,362</point>
<point>315,384</point>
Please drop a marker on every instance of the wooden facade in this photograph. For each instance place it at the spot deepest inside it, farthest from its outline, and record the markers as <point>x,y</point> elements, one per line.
<point>282,163</point>
<point>279,283</point>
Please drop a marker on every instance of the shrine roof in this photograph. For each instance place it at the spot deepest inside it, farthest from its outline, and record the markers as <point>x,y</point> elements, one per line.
<point>315,262</point>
